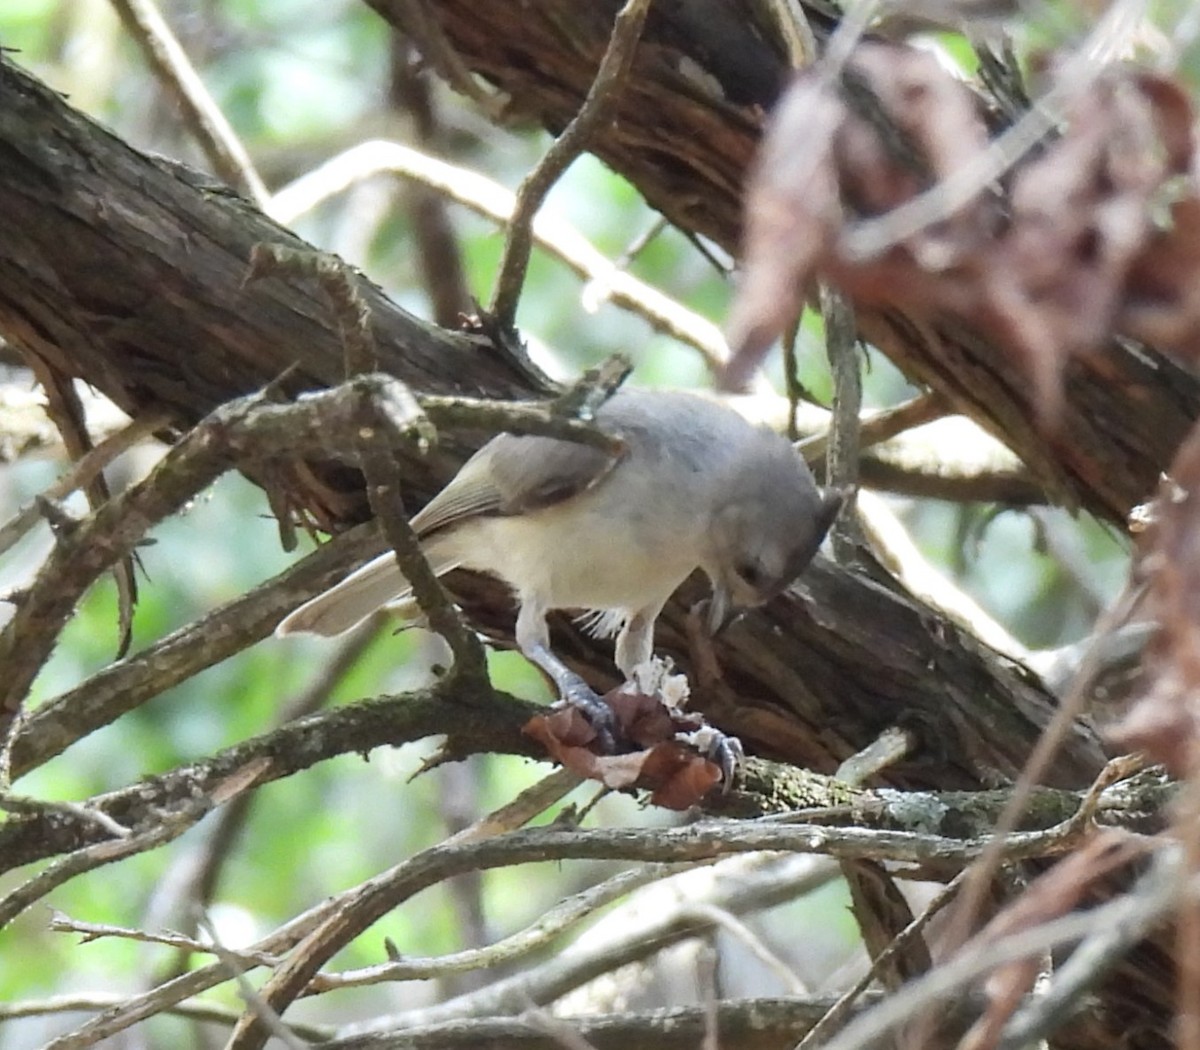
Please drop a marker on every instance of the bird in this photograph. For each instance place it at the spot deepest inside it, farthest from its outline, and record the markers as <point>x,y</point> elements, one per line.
<point>691,485</point>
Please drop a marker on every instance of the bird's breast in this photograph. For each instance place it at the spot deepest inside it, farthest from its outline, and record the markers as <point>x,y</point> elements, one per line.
<point>575,556</point>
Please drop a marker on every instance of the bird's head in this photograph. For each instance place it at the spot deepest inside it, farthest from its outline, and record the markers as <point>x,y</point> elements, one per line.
<point>769,521</point>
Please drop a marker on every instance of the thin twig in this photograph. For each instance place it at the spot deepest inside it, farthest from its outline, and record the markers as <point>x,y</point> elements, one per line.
<point>1051,739</point>
<point>637,930</point>
<point>310,954</point>
<point>56,724</point>
<point>95,931</point>
<point>48,809</point>
<point>1103,947</point>
<point>416,19</point>
<point>239,432</point>
<point>438,250</point>
<point>95,1002</point>
<point>841,1010</point>
<point>80,474</point>
<point>249,994</point>
<point>1135,913</point>
<point>132,1009</point>
<point>877,427</point>
<point>598,107</point>
<point>202,116</point>
<point>719,918</point>
<point>842,454</point>
<point>167,827</point>
<point>496,202</point>
<point>539,935</point>
<point>364,905</point>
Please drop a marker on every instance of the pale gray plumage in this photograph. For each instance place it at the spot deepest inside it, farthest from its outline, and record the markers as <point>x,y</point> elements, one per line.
<point>569,526</point>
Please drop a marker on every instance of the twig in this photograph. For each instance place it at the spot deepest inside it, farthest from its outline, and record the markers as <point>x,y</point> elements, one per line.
<point>423,27</point>
<point>92,1002</point>
<point>201,114</point>
<point>340,926</point>
<point>64,406</point>
<point>841,1010</point>
<point>1070,706</point>
<point>842,454</point>
<point>53,726</point>
<point>904,559</point>
<point>242,431</point>
<point>192,878</point>
<point>877,427</point>
<point>533,846</point>
<point>168,826</point>
<point>363,906</point>
<point>1134,913</point>
<point>1101,949</point>
<point>266,1016</point>
<point>382,473</point>
<point>495,727</point>
<point>383,417</point>
<point>132,1009</point>
<point>598,290</point>
<point>885,750</point>
<point>80,474</point>
<point>736,886</point>
<point>794,30</point>
<point>598,107</point>
<point>795,388</point>
<point>741,1022</point>
<point>719,918</point>
<point>488,198</point>
<point>538,935</point>
<point>438,248</point>
<point>48,809</point>
<point>95,931</point>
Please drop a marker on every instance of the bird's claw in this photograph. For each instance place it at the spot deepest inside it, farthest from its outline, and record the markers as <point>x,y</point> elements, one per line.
<point>579,695</point>
<point>727,752</point>
<point>719,748</point>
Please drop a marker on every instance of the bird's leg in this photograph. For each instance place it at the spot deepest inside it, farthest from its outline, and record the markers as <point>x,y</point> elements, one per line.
<point>575,691</point>
<point>534,643</point>
<point>635,646</point>
<point>635,643</point>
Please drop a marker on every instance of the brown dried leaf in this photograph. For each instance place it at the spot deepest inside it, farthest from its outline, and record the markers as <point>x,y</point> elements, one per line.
<point>677,775</point>
<point>1165,722</point>
<point>1052,265</point>
<point>823,161</point>
<point>792,213</point>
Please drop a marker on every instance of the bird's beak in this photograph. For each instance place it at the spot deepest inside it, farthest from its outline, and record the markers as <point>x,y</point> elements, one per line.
<point>720,609</point>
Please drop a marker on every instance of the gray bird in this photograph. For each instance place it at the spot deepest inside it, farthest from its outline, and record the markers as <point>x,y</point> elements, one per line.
<point>570,526</point>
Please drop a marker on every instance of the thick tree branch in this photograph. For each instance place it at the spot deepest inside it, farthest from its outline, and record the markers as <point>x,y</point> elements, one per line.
<point>122,295</point>
<point>686,148</point>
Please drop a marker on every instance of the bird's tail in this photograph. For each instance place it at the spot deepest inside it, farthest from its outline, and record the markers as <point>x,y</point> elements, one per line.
<point>380,582</point>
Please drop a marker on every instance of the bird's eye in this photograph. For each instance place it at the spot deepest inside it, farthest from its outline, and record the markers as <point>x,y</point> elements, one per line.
<point>750,573</point>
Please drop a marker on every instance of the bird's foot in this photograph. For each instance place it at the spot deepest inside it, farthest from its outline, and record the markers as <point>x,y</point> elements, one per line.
<point>720,748</point>
<point>596,711</point>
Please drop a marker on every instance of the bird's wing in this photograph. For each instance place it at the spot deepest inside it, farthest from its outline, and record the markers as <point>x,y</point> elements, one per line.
<point>515,474</point>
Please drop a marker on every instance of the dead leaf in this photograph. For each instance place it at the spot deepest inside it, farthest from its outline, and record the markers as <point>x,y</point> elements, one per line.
<point>650,756</point>
<point>1165,721</point>
<point>1068,246</point>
